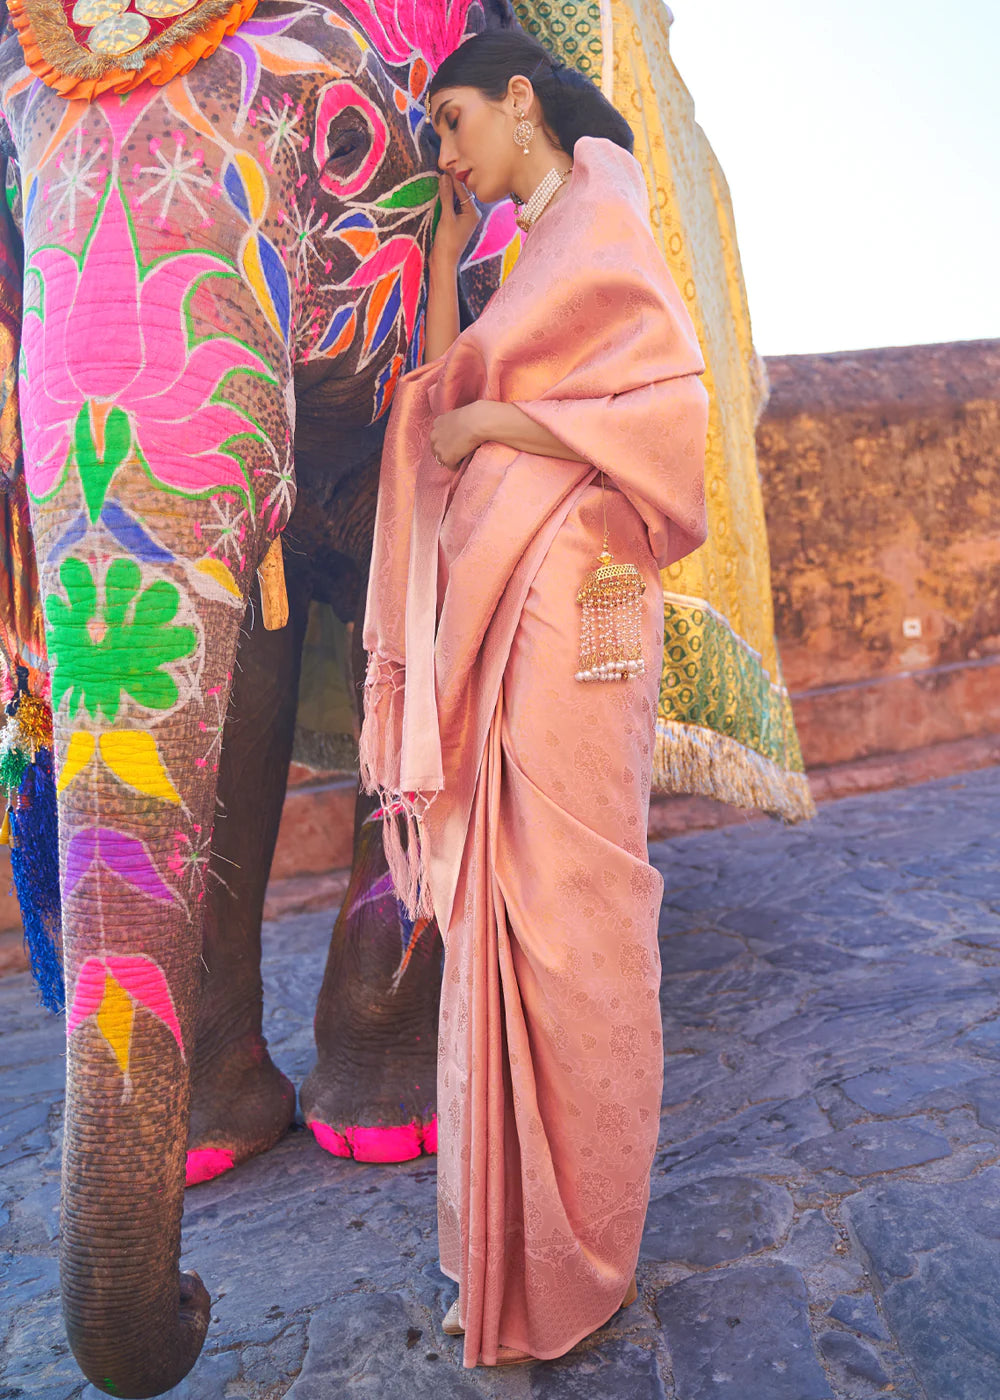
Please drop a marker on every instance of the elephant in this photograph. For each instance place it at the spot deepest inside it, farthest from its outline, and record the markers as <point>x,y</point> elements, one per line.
<point>223,279</point>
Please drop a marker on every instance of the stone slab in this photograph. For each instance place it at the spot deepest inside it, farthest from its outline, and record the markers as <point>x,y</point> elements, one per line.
<point>853,1358</point>
<point>698,952</point>
<point>813,956</point>
<point>770,924</point>
<point>717,1220</point>
<point>897,1090</point>
<point>867,1148</point>
<point>935,1253</point>
<point>756,1136</point>
<point>881,930</point>
<point>621,1369</point>
<point>984,1039</point>
<point>376,1346</point>
<point>858,1311</point>
<point>742,1334</point>
<point>985,1096</point>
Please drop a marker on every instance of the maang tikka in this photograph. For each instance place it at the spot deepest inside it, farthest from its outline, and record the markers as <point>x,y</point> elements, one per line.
<point>611,624</point>
<point>524,130</point>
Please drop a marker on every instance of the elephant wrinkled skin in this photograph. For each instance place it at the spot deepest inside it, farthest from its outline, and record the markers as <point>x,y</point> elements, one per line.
<point>223,280</point>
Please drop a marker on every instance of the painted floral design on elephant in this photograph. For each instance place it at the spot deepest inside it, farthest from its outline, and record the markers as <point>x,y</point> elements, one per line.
<point>400,27</point>
<point>111,990</point>
<point>158,391</point>
<point>130,754</point>
<point>96,654</point>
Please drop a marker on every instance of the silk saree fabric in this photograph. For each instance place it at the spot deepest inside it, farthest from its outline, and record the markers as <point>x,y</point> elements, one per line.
<point>724,718</point>
<point>530,788</point>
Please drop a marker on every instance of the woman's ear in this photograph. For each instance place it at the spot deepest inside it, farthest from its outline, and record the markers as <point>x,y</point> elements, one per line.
<point>520,93</point>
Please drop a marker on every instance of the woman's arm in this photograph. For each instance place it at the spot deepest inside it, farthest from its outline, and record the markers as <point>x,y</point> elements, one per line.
<point>453,233</point>
<point>441,323</point>
<point>456,434</point>
<point>506,423</point>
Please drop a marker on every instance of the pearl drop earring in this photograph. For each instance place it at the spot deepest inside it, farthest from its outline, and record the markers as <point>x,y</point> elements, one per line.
<point>524,130</point>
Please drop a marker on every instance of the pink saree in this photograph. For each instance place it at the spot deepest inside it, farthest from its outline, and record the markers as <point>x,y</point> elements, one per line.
<point>530,790</point>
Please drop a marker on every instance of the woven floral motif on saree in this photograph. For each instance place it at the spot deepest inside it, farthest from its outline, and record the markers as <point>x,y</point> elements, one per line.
<point>85,47</point>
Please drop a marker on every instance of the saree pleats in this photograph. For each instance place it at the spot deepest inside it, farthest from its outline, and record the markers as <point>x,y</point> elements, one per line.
<point>550,1047</point>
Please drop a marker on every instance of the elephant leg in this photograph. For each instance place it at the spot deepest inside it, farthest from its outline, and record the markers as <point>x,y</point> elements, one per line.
<point>241,1103</point>
<point>372,1092</point>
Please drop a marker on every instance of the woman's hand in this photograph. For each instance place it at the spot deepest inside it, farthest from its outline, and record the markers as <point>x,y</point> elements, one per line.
<point>456,434</point>
<point>453,230</point>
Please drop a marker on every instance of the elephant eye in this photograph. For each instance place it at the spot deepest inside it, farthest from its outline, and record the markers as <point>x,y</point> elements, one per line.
<point>345,146</point>
<point>347,143</point>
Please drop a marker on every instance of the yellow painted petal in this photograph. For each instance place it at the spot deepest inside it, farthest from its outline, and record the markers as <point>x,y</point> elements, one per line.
<point>78,755</point>
<point>132,756</point>
<point>114,1020</point>
<point>255,276</point>
<point>215,569</point>
<point>510,256</point>
<point>254,184</point>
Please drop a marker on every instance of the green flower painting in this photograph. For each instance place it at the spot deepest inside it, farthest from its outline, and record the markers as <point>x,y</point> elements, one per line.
<point>97,654</point>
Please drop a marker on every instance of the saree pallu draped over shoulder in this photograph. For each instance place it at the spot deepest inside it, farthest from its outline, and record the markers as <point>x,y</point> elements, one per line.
<point>515,798</point>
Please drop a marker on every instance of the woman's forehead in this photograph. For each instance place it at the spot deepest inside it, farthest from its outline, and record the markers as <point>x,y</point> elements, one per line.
<point>461,96</point>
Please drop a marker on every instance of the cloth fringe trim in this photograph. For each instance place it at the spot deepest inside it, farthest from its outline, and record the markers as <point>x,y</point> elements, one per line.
<point>406,863</point>
<point>378,762</point>
<point>689,759</point>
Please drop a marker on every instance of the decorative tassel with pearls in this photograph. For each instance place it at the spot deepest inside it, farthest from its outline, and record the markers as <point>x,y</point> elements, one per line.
<point>611,624</point>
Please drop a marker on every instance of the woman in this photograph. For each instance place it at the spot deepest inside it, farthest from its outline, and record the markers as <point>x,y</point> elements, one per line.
<point>574,397</point>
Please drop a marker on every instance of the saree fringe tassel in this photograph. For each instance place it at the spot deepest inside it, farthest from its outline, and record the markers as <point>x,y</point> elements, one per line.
<point>399,811</point>
<point>701,762</point>
<point>406,860</point>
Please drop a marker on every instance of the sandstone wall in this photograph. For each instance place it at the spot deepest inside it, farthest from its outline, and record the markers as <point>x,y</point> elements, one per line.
<point>881,475</point>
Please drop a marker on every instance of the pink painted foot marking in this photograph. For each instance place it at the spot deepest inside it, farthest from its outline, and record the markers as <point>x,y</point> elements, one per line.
<point>330,1140</point>
<point>205,1163</point>
<point>431,1136</point>
<point>397,1144</point>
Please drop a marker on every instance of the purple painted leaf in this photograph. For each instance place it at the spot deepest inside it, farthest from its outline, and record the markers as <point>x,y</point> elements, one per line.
<point>126,856</point>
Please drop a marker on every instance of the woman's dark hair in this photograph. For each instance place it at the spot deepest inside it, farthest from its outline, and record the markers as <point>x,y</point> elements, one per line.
<point>571,105</point>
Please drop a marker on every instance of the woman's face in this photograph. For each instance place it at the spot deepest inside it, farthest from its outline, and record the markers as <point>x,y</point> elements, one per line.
<point>476,140</point>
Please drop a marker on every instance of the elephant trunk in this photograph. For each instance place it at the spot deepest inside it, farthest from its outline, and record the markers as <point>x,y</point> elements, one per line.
<point>135,1323</point>
<point>137,804</point>
<point>132,953</point>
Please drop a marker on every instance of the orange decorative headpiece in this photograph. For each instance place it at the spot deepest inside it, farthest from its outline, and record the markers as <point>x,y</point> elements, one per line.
<point>85,47</point>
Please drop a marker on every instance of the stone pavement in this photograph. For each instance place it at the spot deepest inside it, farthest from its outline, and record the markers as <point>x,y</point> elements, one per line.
<point>825,1221</point>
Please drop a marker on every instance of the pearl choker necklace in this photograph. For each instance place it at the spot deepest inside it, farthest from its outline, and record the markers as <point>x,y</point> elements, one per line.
<point>540,198</point>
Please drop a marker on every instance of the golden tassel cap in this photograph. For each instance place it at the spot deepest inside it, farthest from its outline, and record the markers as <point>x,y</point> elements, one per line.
<point>610,580</point>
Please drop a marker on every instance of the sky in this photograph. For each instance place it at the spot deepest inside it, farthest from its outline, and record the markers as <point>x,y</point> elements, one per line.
<point>861,142</point>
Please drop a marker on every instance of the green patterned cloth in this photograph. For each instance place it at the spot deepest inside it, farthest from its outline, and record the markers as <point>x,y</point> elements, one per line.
<point>571,29</point>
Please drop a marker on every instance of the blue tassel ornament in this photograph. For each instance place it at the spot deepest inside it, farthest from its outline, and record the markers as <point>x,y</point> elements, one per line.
<point>31,829</point>
<point>34,860</point>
